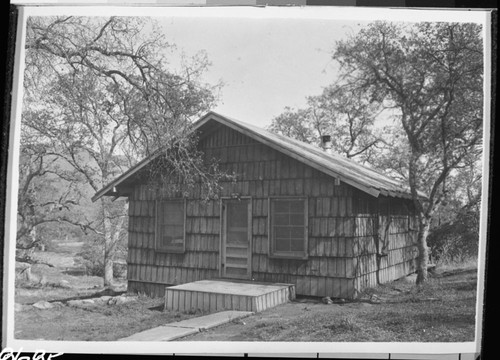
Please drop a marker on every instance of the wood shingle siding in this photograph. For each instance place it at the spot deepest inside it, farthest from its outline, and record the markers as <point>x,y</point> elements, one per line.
<point>354,238</point>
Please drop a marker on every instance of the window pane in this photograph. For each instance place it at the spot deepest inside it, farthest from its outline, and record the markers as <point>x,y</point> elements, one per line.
<point>173,212</point>
<point>297,219</point>
<point>170,225</point>
<point>288,226</point>
<point>282,232</point>
<point>281,206</point>
<point>297,232</point>
<point>237,236</point>
<point>237,214</point>
<point>297,245</point>
<point>169,241</point>
<point>282,219</point>
<point>297,206</point>
<point>282,244</point>
<point>237,222</point>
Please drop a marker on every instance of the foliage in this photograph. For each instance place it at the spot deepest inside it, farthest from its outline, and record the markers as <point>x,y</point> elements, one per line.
<point>454,236</point>
<point>423,81</point>
<point>45,201</point>
<point>342,111</point>
<point>430,76</point>
<point>93,258</point>
<point>457,240</point>
<point>92,254</point>
<point>102,93</point>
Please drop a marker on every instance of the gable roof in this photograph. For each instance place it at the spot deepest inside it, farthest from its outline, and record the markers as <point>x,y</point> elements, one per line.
<point>361,177</point>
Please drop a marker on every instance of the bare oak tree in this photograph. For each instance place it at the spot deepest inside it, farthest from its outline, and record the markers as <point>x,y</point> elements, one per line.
<point>431,76</point>
<point>102,93</point>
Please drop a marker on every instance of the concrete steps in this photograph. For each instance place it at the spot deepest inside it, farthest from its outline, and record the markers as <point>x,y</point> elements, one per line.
<point>218,295</point>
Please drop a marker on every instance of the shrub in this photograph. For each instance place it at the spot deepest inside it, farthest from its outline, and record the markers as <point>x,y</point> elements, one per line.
<point>93,259</point>
<point>456,240</point>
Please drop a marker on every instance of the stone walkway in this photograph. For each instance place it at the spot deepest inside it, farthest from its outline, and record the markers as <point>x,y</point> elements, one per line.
<point>187,327</point>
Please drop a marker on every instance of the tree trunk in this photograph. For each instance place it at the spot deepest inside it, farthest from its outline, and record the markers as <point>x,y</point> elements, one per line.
<point>423,252</point>
<point>108,271</point>
<point>111,238</point>
<point>108,246</point>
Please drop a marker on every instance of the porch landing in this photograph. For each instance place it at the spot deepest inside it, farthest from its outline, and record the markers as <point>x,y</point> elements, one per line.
<point>221,294</point>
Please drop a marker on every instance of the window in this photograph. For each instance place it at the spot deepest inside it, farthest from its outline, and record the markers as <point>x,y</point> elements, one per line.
<point>170,217</point>
<point>288,227</point>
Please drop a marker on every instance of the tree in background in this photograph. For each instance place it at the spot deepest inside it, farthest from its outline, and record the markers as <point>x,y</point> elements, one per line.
<point>430,75</point>
<point>101,93</point>
<point>455,232</point>
<point>341,111</point>
<point>43,198</point>
<point>425,78</point>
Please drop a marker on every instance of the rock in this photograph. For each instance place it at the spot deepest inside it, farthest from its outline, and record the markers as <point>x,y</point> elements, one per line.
<point>18,307</point>
<point>79,303</point>
<point>365,304</point>
<point>119,300</point>
<point>42,305</point>
<point>43,280</point>
<point>112,301</point>
<point>21,266</point>
<point>102,300</point>
<point>327,300</point>
<point>117,288</point>
<point>73,303</point>
<point>338,301</point>
<point>88,302</point>
<point>64,284</point>
<point>57,304</point>
<point>412,279</point>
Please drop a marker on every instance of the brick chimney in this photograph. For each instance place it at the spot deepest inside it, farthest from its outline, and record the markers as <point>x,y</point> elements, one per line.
<point>326,142</point>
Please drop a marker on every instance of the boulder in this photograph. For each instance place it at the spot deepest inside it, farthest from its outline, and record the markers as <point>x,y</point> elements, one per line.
<point>42,305</point>
<point>43,280</point>
<point>412,278</point>
<point>327,300</point>
<point>102,300</point>
<point>119,300</point>
<point>81,303</point>
<point>64,284</point>
<point>73,302</point>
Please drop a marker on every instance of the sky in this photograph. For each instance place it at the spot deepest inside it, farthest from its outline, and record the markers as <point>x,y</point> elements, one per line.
<point>264,64</point>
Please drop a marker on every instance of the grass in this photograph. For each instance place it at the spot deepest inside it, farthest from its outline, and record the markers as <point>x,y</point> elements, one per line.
<point>96,323</point>
<point>91,323</point>
<point>442,310</point>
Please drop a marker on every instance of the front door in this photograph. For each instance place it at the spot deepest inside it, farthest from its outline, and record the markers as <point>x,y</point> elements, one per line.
<point>236,235</point>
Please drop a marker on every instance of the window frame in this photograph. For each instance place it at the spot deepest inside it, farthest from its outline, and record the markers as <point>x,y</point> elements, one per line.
<point>176,250</point>
<point>271,239</point>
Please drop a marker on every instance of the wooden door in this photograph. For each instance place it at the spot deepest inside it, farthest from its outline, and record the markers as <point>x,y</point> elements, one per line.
<point>236,239</point>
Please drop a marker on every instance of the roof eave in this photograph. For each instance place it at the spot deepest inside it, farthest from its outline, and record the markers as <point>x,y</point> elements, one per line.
<point>107,190</point>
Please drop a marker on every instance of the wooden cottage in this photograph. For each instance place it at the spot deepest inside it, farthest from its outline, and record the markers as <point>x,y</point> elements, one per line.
<point>296,215</point>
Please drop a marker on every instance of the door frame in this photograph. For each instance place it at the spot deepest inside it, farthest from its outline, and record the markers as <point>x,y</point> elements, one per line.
<point>222,236</point>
